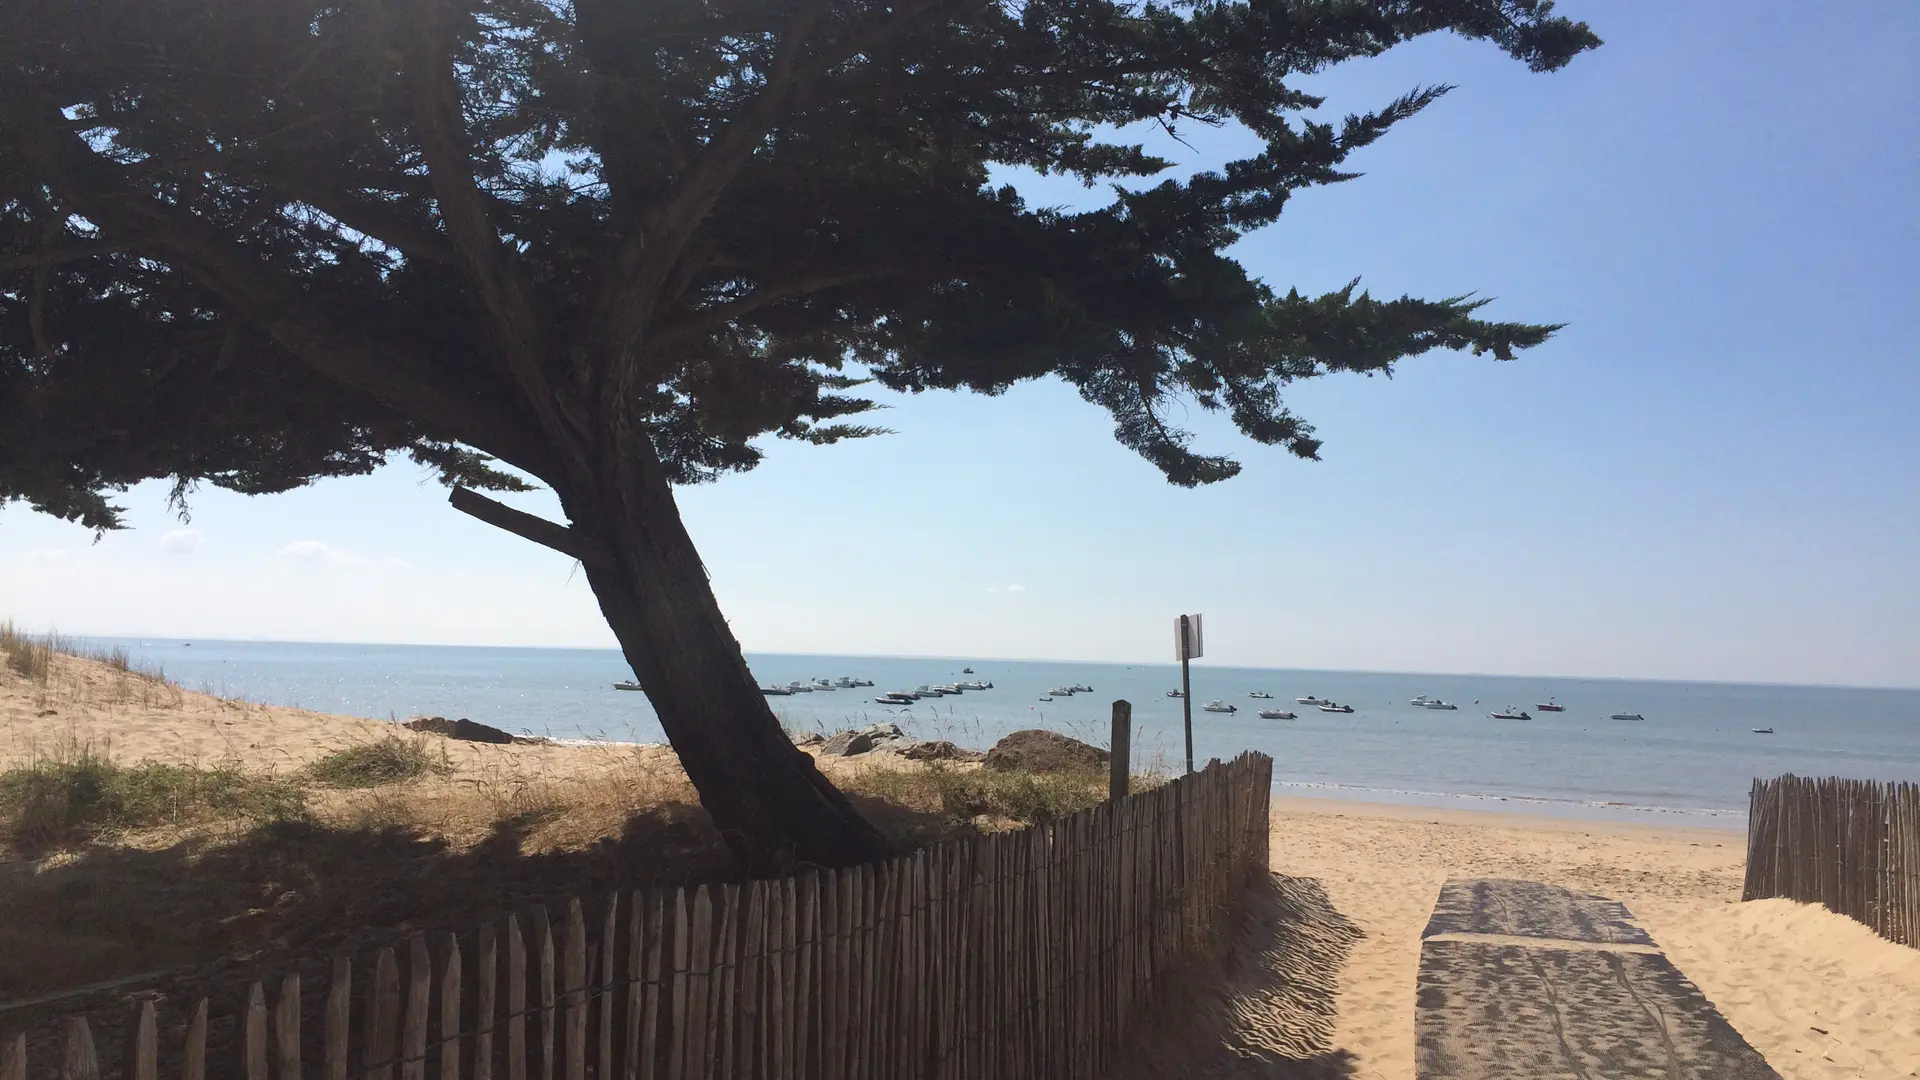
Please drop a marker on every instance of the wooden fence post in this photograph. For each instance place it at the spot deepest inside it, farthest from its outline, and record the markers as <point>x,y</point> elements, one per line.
<point>1119,764</point>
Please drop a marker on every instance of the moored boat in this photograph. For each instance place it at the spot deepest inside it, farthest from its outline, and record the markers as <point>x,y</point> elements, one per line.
<point>1175,694</point>
<point>1219,706</point>
<point>1311,700</point>
<point>626,684</point>
<point>1328,706</point>
<point>1511,713</point>
<point>1438,704</point>
<point>1626,716</point>
<point>1763,731</point>
<point>1550,706</point>
<point>1275,714</point>
<point>1261,695</point>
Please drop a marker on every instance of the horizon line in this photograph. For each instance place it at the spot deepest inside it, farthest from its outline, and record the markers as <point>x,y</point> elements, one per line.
<point>1043,660</point>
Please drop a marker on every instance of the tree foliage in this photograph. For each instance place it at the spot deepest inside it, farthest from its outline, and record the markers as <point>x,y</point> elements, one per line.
<point>258,242</point>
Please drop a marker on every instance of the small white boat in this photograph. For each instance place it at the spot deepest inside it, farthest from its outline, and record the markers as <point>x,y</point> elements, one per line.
<point>1550,705</point>
<point>1175,694</point>
<point>893,699</point>
<point>929,691</point>
<point>1511,713</point>
<point>966,671</point>
<point>1763,731</point>
<point>1062,691</point>
<point>1261,695</point>
<point>770,691</point>
<point>797,687</point>
<point>1626,716</point>
<point>626,684</point>
<point>1082,688</point>
<point>822,684</point>
<point>1275,714</point>
<point>910,695</point>
<point>972,686</point>
<point>1311,700</point>
<point>1437,704</point>
<point>1219,706</point>
<point>1420,701</point>
<point>1328,706</point>
<point>1045,698</point>
<point>844,683</point>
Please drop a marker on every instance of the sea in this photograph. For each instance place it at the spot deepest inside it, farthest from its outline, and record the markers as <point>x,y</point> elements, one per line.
<point>1691,760</point>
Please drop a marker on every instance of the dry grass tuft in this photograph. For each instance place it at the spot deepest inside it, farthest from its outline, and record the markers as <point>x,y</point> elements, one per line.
<point>964,793</point>
<point>82,794</point>
<point>391,760</point>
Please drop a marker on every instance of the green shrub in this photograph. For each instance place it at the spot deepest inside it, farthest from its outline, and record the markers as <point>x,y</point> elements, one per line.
<point>962,793</point>
<point>391,760</point>
<point>86,795</point>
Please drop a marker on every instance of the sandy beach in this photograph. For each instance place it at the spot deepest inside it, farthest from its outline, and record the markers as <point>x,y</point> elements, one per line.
<point>1819,995</point>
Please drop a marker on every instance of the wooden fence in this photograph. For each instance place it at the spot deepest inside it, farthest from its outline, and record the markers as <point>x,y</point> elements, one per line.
<point>1018,955</point>
<point>1853,845</point>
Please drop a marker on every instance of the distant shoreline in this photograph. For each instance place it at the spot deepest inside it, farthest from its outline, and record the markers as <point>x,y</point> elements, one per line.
<point>937,658</point>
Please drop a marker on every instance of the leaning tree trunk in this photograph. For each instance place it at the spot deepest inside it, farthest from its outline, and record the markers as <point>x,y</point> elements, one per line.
<point>771,804</point>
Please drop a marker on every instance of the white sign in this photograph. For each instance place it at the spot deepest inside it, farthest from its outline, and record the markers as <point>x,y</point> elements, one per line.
<point>1188,647</point>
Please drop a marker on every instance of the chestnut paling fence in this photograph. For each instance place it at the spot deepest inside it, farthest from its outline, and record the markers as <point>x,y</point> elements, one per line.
<point>1017,955</point>
<point>1853,845</point>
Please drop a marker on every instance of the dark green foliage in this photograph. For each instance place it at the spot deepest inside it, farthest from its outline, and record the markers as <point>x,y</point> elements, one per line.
<point>259,242</point>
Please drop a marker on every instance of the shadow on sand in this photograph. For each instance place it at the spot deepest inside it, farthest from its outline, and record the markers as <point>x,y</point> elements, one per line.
<point>1263,1008</point>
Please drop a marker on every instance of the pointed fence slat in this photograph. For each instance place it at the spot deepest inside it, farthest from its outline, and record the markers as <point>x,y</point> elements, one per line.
<point>142,1049</point>
<point>193,1052</point>
<point>450,1002</point>
<point>339,1006</point>
<point>80,1061</point>
<point>286,1028</point>
<point>487,970</point>
<point>516,1002</point>
<point>380,1048</point>
<point>994,957</point>
<point>253,1052</point>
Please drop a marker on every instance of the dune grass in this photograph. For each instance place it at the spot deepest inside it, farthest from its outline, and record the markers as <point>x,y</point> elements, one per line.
<point>84,795</point>
<point>390,760</point>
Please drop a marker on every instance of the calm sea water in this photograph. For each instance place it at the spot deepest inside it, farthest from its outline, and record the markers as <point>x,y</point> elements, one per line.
<point>1695,755</point>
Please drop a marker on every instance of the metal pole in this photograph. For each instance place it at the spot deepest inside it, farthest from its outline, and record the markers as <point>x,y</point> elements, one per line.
<point>1186,685</point>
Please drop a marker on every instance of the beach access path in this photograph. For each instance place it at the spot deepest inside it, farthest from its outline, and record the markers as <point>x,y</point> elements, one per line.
<point>1818,995</point>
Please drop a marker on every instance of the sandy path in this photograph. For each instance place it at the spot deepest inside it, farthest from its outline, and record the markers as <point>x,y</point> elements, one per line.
<point>1819,995</point>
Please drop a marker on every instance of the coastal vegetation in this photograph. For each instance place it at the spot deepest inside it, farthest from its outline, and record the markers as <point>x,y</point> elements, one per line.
<point>125,848</point>
<point>608,249</point>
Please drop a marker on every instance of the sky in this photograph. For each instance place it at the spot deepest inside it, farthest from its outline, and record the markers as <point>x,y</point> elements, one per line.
<point>1712,473</point>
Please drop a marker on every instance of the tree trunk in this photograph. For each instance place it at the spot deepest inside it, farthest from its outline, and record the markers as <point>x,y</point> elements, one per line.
<point>771,804</point>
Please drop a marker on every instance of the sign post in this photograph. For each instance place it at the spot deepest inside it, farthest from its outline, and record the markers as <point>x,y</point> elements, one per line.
<point>1187,645</point>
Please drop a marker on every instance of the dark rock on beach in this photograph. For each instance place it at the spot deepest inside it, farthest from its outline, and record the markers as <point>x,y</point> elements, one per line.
<point>1039,751</point>
<point>463,729</point>
<point>939,750</point>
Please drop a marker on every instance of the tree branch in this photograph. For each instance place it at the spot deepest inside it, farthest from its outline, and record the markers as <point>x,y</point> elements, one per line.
<point>524,525</point>
<point>505,297</point>
<point>712,315</point>
<point>95,189</point>
<point>55,256</point>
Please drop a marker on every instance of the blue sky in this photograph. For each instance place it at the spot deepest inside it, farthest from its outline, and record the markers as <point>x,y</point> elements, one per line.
<point>1713,473</point>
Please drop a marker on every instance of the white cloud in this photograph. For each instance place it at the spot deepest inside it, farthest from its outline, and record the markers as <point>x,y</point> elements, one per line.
<point>1011,590</point>
<point>320,553</point>
<point>182,541</point>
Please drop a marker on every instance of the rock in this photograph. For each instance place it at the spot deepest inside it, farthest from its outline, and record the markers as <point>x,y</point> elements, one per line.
<point>463,729</point>
<point>939,750</point>
<point>808,738</point>
<point>1039,751</point>
<point>862,740</point>
<point>847,744</point>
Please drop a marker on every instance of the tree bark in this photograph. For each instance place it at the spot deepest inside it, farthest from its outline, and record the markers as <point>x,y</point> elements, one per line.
<point>767,798</point>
